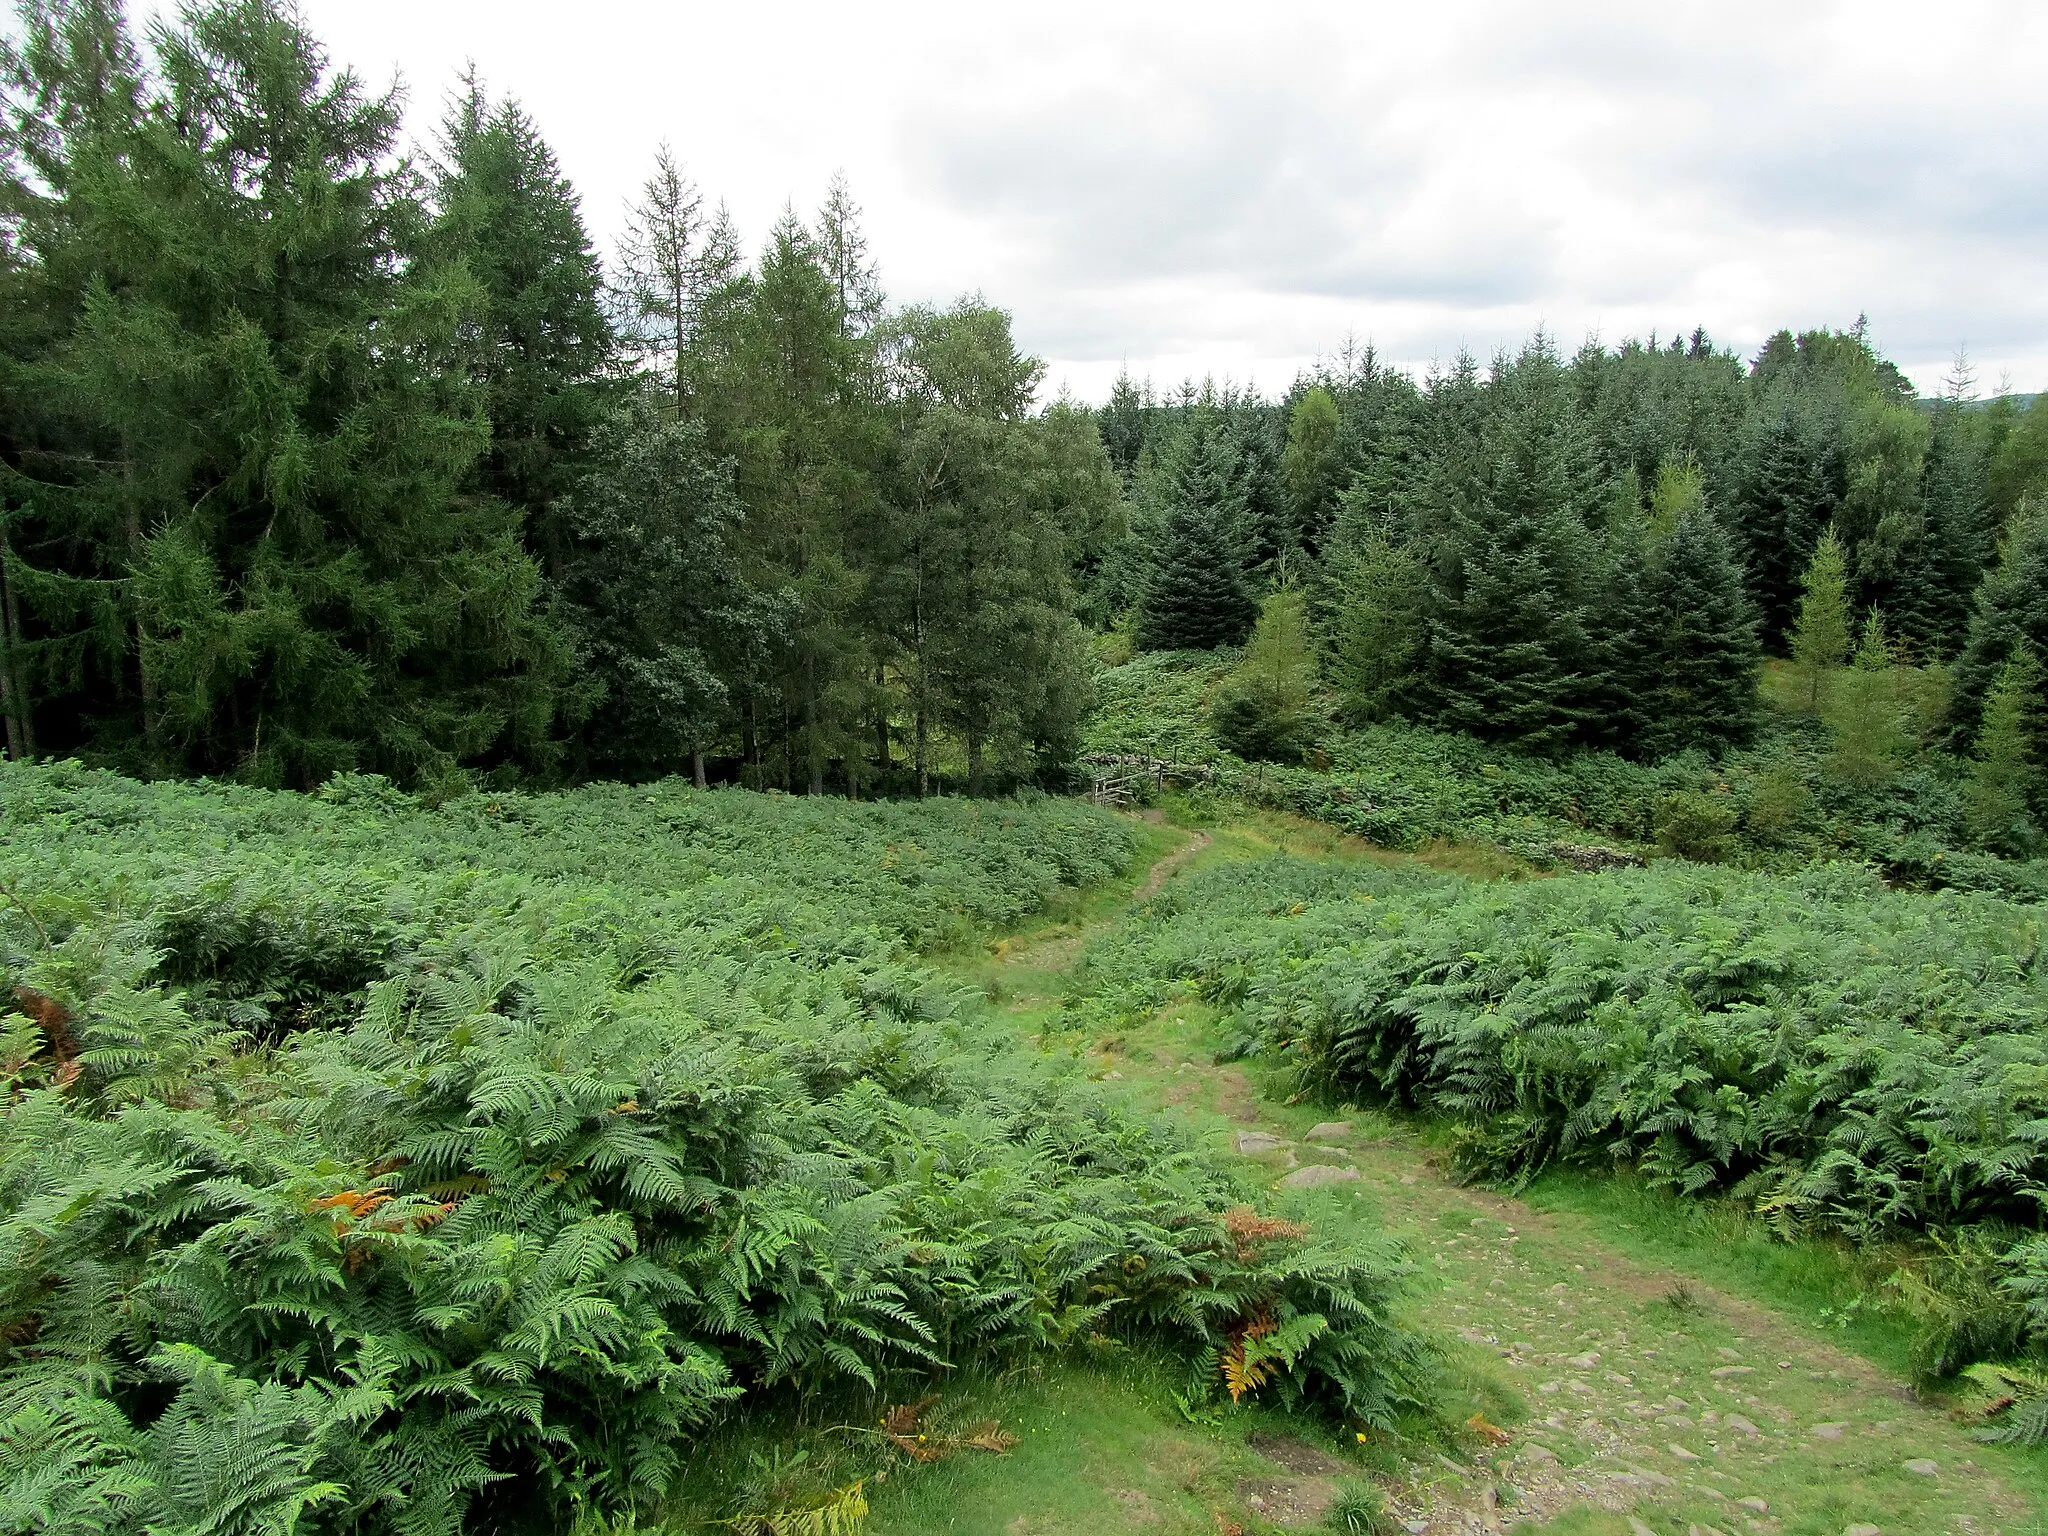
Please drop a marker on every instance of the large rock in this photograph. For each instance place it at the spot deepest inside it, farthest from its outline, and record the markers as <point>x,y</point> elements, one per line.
<point>1250,1142</point>
<point>1329,1130</point>
<point>1315,1175</point>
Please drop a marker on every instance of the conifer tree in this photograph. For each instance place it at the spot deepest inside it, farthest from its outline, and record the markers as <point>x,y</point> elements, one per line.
<point>675,261</point>
<point>2011,612</point>
<point>1122,424</point>
<point>1704,650</point>
<point>1263,708</point>
<point>794,402</point>
<point>1310,466</point>
<point>1820,642</point>
<point>1782,504</point>
<point>2005,765</point>
<point>540,339</point>
<point>842,250</point>
<point>1508,654</point>
<point>1625,598</point>
<point>247,409</point>
<point>1196,598</point>
<point>1954,542</point>
<point>1375,596</point>
<point>1865,711</point>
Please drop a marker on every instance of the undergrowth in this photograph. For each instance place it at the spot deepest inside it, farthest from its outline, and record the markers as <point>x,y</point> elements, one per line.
<point>1838,1057</point>
<point>376,1168</point>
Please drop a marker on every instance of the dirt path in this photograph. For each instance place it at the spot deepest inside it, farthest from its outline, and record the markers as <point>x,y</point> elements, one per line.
<point>1644,1402</point>
<point>1167,867</point>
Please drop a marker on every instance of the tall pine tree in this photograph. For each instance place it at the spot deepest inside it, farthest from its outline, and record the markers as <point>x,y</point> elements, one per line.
<point>2011,612</point>
<point>1703,645</point>
<point>1196,598</point>
<point>540,340</point>
<point>244,410</point>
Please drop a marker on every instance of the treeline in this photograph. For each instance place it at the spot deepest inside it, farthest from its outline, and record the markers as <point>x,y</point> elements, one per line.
<point>1592,551</point>
<point>319,457</point>
<point>315,456</point>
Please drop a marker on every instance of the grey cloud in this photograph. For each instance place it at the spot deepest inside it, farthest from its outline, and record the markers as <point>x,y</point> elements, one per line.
<point>1254,181</point>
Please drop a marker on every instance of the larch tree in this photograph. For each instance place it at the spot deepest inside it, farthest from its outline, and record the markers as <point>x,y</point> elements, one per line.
<point>1820,640</point>
<point>1311,467</point>
<point>2005,763</point>
<point>674,262</point>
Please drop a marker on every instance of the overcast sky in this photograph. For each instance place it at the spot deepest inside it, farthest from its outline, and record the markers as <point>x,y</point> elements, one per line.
<point>1188,189</point>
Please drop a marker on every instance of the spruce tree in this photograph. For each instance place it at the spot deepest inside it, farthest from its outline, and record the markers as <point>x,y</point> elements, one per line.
<point>1704,650</point>
<point>1783,502</point>
<point>2005,765</point>
<point>1820,641</point>
<point>1375,592</point>
<point>1627,628</point>
<point>247,408</point>
<point>2011,612</point>
<point>1197,597</point>
<point>541,340</point>
<point>1508,653</point>
<point>1955,545</point>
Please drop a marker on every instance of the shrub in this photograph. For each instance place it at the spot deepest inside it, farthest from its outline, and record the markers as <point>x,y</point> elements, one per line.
<point>579,1121</point>
<point>1841,1056</point>
<point>1694,826</point>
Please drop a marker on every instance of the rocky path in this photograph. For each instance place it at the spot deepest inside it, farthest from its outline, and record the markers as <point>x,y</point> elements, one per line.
<point>1630,1399</point>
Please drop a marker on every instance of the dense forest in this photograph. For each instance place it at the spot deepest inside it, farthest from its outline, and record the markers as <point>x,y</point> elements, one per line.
<point>324,456</point>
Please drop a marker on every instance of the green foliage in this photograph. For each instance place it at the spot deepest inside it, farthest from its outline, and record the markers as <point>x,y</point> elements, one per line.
<point>1821,641</point>
<point>1842,1056</point>
<point>1867,714</point>
<point>1196,598</point>
<point>245,408</point>
<point>1265,708</point>
<point>1310,466</point>
<point>2005,772</point>
<point>1403,787</point>
<point>2011,612</point>
<point>1702,654</point>
<point>653,580</point>
<point>505,213</point>
<point>377,1168</point>
<point>1696,826</point>
<point>1376,626</point>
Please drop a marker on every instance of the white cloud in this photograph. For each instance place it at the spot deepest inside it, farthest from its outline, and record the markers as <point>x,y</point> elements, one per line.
<point>1227,190</point>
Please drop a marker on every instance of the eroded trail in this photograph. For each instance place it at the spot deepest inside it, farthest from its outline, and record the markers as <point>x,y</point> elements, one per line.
<point>1650,1401</point>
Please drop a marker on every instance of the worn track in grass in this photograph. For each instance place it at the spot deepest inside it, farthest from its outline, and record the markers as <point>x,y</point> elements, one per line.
<point>1630,1414</point>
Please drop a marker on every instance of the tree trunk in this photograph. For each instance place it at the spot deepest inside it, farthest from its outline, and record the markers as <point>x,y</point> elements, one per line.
<point>144,678</point>
<point>697,766</point>
<point>813,748</point>
<point>973,762</point>
<point>882,764</point>
<point>21,733</point>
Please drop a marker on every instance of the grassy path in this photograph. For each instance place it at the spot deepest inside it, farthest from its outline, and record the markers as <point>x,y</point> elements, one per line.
<point>1615,1394</point>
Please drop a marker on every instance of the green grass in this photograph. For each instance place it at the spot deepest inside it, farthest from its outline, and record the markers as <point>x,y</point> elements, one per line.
<point>1830,1285</point>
